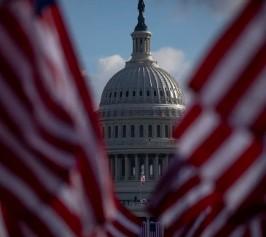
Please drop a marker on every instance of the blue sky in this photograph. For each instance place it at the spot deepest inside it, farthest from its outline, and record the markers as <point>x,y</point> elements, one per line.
<point>182,30</point>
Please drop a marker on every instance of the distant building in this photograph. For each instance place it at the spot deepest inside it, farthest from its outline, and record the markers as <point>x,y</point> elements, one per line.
<point>139,107</point>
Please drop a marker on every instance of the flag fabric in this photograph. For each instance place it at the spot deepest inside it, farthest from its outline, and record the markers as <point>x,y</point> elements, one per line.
<point>217,184</point>
<point>54,176</point>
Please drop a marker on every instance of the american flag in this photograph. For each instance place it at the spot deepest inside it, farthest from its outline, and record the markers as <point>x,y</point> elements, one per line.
<point>217,186</point>
<point>54,176</point>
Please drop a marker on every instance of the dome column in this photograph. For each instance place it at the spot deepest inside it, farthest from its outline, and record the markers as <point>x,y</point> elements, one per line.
<point>126,167</point>
<point>156,166</point>
<point>146,166</point>
<point>137,167</point>
<point>116,167</point>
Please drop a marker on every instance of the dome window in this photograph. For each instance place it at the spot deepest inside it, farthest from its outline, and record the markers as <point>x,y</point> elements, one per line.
<point>158,131</point>
<point>109,132</point>
<point>155,94</point>
<point>116,131</point>
<point>110,95</point>
<point>168,93</point>
<point>140,93</point>
<point>124,132</point>
<point>127,94</point>
<point>121,93</point>
<point>115,94</point>
<point>161,93</point>
<point>132,131</point>
<point>134,93</point>
<point>150,131</point>
<point>148,93</point>
<point>166,131</point>
<point>141,131</point>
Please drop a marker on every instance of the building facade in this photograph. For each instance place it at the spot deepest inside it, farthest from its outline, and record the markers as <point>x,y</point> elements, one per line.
<point>139,108</point>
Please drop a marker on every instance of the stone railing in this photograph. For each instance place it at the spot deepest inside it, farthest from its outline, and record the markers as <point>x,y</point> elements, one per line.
<point>148,142</point>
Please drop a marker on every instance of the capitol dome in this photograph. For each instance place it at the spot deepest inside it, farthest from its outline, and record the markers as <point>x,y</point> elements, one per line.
<point>139,108</point>
<point>142,82</point>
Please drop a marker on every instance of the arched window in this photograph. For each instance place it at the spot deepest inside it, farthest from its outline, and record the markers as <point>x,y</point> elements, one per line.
<point>160,167</point>
<point>124,132</point>
<point>148,93</point>
<point>140,93</point>
<point>150,131</point>
<point>121,93</point>
<point>109,132</point>
<point>132,166</point>
<point>103,132</point>
<point>132,131</point>
<point>166,131</point>
<point>116,131</point>
<point>127,94</point>
<point>141,131</point>
<point>151,168</point>
<point>155,94</point>
<point>134,93</point>
<point>115,94</point>
<point>158,131</point>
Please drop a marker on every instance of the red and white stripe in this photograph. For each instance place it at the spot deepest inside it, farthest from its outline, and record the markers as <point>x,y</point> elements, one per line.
<point>231,76</point>
<point>48,130</point>
<point>223,166</point>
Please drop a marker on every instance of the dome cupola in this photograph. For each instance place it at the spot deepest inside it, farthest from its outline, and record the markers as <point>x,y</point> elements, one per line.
<point>142,80</point>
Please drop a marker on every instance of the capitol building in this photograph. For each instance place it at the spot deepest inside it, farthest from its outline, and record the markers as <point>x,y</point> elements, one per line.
<point>139,108</point>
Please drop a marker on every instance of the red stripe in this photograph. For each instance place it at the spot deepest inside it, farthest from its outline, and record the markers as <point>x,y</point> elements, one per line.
<point>224,44</point>
<point>205,150</point>
<point>241,86</point>
<point>91,186</point>
<point>73,65</point>
<point>189,118</point>
<point>259,125</point>
<point>235,172</point>
<point>21,212</point>
<point>13,28</point>
<point>122,229</point>
<point>173,196</point>
<point>69,218</point>
<point>193,212</point>
<point>23,141</point>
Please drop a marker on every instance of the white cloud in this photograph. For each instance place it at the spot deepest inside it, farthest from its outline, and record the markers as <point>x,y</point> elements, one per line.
<point>106,68</point>
<point>171,59</point>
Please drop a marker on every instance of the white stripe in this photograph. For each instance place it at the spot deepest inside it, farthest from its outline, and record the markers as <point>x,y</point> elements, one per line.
<point>246,184</point>
<point>235,60</point>
<point>255,228</point>
<point>191,198</point>
<point>15,109</point>
<point>226,155</point>
<point>114,231</point>
<point>31,202</point>
<point>252,102</point>
<point>197,133</point>
<point>240,231</point>
<point>3,232</point>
